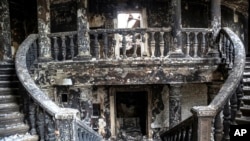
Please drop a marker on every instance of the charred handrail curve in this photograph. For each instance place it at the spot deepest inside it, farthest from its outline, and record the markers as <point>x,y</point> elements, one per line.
<point>41,98</point>
<point>204,115</point>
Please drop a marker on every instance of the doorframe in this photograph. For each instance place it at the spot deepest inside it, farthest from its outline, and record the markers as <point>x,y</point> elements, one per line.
<point>113,118</point>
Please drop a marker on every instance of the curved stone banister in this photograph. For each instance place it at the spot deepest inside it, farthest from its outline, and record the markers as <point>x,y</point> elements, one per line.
<point>41,99</point>
<point>206,116</point>
<point>236,73</point>
<point>23,74</point>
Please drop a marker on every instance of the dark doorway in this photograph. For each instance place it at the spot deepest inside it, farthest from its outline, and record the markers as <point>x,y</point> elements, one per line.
<point>131,110</point>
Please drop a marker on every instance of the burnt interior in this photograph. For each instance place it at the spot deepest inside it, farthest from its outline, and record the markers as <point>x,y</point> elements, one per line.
<point>131,110</point>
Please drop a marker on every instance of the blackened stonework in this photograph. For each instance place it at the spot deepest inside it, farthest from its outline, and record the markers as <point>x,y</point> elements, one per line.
<point>129,72</point>
<point>5,34</point>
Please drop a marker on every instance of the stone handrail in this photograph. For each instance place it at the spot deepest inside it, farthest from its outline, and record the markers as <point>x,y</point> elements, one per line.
<point>60,115</point>
<point>232,52</point>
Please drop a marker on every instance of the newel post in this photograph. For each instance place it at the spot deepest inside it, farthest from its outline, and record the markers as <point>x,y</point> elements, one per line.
<point>82,31</point>
<point>203,127</point>
<point>66,124</point>
<point>43,17</point>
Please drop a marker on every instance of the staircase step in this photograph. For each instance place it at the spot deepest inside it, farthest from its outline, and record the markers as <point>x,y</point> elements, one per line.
<point>246,100</point>
<point>9,91</point>
<point>21,137</point>
<point>245,110</point>
<point>10,84</point>
<point>243,120</point>
<point>7,71</point>
<point>14,117</point>
<point>8,108</point>
<point>8,77</point>
<point>14,129</point>
<point>8,98</point>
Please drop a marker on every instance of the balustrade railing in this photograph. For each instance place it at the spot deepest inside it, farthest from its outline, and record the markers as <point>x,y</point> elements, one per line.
<point>46,118</point>
<point>196,42</point>
<point>207,119</point>
<point>106,44</point>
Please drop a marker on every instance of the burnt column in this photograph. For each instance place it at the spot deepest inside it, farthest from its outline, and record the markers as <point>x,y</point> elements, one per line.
<point>175,18</point>
<point>82,34</point>
<point>5,33</point>
<point>43,16</point>
<point>174,105</point>
<point>215,26</point>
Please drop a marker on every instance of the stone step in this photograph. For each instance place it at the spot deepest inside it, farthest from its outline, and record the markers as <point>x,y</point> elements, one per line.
<point>246,90</point>
<point>14,117</point>
<point>246,100</point>
<point>8,108</point>
<point>4,71</point>
<point>9,91</point>
<point>245,110</point>
<point>14,129</point>
<point>21,137</point>
<point>8,77</point>
<point>8,98</point>
<point>243,120</point>
<point>9,84</point>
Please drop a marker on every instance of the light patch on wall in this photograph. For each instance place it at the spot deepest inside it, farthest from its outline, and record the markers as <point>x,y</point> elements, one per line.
<point>127,20</point>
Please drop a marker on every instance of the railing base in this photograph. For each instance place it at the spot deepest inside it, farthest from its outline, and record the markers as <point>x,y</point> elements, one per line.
<point>45,59</point>
<point>178,54</point>
<point>85,57</point>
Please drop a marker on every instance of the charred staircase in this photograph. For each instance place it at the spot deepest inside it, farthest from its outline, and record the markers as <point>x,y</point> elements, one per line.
<point>245,105</point>
<point>12,126</point>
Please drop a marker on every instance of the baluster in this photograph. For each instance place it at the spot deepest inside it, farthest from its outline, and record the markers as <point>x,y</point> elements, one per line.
<point>134,45</point>
<point>96,45</point>
<point>224,40</point>
<point>143,48</point>
<point>35,51</point>
<point>203,44</point>
<point>32,117</point>
<point>233,102</point>
<point>162,44</point>
<point>50,130</point>
<point>124,44</point>
<point>187,133</point>
<point>195,44</point>
<point>231,51</point>
<point>79,134</point>
<point>226,122</point>
<point>227,51</point>
<point>56,48</point>
<point>152,44</point>
<point>188,45</point>
<point>40,124</point>
<point>63,47</point>
<point>240,94</point>
<point>72,50</point>
<point>105,44</point>
<point>217,127</point>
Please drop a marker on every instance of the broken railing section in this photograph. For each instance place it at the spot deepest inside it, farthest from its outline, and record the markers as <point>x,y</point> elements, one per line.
<point>227,101</point>
<point>45,118</point>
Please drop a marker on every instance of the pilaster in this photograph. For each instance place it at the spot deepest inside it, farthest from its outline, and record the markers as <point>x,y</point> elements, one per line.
<point>175,20</point>
<point>215,26</point>
<point>5,32</point>
<point>43,16</point>
<point>174,105</point>
<point>82,31</point>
